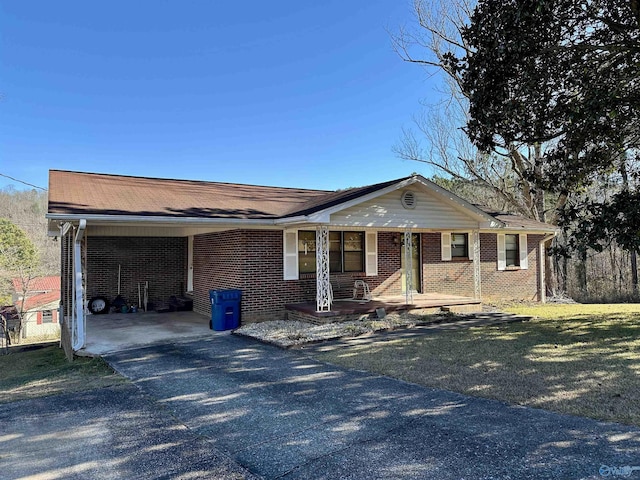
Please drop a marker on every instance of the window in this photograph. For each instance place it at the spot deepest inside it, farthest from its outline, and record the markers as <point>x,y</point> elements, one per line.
<point>512,250</point>
<point>307,252</point>
<point>346,251</point>
<point>353,251</point>
<point>47,316</point>
<point>335,251</point>
<point>459,245</point>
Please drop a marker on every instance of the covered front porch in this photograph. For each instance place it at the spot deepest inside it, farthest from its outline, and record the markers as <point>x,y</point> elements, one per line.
<point>414,261</point>
<point>350,309</point>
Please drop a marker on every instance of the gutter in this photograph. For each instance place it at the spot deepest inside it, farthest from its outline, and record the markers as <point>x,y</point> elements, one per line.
<point>291,220</point>
<point>78,341</point>
<point>159,219</point>
<point>320,217</point>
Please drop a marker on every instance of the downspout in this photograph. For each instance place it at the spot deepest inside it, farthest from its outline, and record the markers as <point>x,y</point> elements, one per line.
<point>541,266</point>
<point>79,293</point>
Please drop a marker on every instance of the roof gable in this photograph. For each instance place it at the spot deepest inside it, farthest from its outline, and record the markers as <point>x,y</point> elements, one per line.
<point>436,194</point>
<point>428,210</point>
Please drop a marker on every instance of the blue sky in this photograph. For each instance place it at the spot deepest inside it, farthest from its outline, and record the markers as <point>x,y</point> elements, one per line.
<point>286,93</point>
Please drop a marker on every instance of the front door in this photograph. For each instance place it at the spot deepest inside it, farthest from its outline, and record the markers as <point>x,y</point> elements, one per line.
<point>415,263</point>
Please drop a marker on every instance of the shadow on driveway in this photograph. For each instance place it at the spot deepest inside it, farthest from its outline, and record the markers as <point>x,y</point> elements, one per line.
<point>282,414</point>
<point>111,433</point>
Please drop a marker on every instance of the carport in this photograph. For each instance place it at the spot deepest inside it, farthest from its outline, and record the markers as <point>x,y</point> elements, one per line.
<point>121,331</point>
<point>106,263</point>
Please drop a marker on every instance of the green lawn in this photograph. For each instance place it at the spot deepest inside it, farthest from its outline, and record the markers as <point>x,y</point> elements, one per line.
<point>46,371</point>
<point>577,359</point>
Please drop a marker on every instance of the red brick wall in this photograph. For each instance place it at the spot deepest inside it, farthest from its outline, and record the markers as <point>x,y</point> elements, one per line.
<point>66,274</point>
<point>388,281</point>
<point>216,265</point>
<point>509,284</point>
<point>454,277</point>
<point>251,260</point>
<point>159,260</point>
<point>266,291</point>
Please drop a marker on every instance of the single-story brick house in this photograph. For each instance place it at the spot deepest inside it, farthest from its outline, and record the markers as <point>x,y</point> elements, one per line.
<point>38,301</point>
<point>282,246</point>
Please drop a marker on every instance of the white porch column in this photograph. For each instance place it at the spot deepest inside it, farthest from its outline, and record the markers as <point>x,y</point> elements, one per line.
<point>324,296</point>
<point>190,263</point>
<point>408,265</point>
<point>477,272</point>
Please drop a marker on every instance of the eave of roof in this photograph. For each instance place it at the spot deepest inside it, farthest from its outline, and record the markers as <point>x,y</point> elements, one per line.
<point>339,197</point>
<point>40,300</point>
<point>518,222</point>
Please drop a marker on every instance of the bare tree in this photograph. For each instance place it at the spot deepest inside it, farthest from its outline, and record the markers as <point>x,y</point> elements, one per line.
<point>503,178</point>
<point>441,141</point>
<point>24,275</point>
<point>27,209</point>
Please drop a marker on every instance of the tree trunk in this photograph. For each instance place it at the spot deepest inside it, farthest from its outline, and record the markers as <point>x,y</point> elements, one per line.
<point>581,274</point>
<point>550,277</point>
<point>634,274</point>
<point>634,259</point>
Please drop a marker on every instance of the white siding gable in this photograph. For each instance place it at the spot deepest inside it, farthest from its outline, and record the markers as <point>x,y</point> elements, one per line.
<point>387,212</point>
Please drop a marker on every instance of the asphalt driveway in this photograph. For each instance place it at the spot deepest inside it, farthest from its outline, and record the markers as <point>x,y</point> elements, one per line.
<point>225,407</point>
<point>111,433</point>
<point>281,414</point>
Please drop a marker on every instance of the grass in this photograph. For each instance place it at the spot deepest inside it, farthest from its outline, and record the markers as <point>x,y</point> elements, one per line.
<point>45,371</point>
<point>576,359</point>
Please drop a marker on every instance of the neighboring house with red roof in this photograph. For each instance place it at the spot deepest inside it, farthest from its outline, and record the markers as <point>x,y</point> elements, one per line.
<point>283,247</point>
<point>38,299</point>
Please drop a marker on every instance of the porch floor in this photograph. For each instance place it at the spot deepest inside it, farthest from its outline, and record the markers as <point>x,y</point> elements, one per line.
<point>347,307</point>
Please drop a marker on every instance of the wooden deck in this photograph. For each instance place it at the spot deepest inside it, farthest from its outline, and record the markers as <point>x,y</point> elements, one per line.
<point>348,309</point>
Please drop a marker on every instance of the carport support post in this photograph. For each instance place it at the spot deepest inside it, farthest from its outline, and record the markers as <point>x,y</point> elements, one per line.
<point>323,284</point>
<point>78,330</point>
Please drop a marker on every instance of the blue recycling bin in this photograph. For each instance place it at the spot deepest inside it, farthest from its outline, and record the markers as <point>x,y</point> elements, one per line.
<point>225,309</point>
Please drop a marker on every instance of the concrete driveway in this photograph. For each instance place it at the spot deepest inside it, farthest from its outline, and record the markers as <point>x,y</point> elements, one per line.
<point>119,331</point>
<point>281,414</point>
